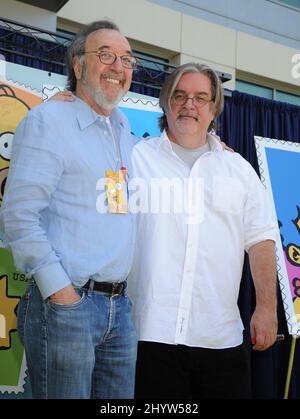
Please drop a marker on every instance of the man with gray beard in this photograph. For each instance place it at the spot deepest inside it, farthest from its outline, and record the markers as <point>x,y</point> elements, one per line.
<point>188,265</point>
<point>75,319</point>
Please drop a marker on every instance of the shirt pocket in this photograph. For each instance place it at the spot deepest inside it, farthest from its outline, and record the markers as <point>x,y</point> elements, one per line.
<point>228,194</point>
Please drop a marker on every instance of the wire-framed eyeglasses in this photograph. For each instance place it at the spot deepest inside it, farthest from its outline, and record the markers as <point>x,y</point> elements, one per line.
<point>180,98</point>
<point>108,58</point>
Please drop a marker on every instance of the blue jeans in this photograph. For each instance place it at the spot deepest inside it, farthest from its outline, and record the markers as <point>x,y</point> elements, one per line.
<point>83,350</point>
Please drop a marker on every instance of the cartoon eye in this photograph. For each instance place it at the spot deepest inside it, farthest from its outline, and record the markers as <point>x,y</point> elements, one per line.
<point>6,140</point>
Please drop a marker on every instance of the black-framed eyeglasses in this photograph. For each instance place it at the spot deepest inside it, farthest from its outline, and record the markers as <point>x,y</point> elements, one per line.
<point>180,99</point>
<point>108,58</point>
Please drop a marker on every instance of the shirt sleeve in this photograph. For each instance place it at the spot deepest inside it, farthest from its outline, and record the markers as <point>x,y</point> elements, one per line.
<point>35,169</point>
<point>259,219</point>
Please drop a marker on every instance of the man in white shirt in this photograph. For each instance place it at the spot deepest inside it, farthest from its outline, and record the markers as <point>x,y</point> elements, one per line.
<point>202,208</point>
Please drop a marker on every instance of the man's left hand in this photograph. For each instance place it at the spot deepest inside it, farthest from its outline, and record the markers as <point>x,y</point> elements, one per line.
<point>225,147</point>
<point>263,328</point>
<point>64,96</point>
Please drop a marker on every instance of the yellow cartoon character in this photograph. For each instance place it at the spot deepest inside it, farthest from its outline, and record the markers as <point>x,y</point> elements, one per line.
<point>12,110</point>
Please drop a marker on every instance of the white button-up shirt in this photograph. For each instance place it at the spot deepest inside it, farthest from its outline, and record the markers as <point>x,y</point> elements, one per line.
<point>188,264</point>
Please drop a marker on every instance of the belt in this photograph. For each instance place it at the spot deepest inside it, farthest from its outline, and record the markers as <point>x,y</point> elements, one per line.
<point>112,288</point>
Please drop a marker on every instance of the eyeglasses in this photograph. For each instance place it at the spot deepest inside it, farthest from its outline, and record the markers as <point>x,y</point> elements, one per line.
<point>108,57</point>
<point>199,101</point>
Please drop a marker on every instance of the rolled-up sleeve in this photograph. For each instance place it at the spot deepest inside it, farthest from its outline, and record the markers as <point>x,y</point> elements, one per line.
<point>259,219</point>
<point>36,167</point>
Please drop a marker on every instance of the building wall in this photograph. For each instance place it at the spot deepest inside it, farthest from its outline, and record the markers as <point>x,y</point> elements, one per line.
<point>26,14</point>
<point>180,37</point>
<point>261,18</point>
<point>252,41</point>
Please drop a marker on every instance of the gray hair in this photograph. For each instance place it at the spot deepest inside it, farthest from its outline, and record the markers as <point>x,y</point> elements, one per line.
<point>77,47</point>
<point>170,84</point>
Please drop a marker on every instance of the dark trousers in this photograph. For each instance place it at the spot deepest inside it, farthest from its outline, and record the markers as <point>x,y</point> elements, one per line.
<point>182,372</point>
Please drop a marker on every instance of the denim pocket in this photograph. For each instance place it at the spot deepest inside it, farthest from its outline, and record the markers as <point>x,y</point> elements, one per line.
<point>21,315</point>
<point>75,305</point>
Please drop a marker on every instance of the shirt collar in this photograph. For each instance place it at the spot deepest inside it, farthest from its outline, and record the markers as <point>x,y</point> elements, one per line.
<point>164,142</point>
<point>86,116</point>
<point>213,140</point>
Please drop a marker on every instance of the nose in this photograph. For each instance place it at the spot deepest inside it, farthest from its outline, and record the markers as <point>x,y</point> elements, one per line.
<point>189,102</point>
<point>117,65</point>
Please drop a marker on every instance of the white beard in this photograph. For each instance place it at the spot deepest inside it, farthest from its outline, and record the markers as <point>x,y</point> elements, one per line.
<point>99,96</point>
<point>102,101</point>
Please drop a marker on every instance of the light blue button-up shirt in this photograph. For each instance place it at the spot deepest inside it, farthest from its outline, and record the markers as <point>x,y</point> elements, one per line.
<point>49,217</point>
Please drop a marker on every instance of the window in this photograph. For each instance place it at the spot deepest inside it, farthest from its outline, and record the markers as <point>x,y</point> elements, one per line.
<point>267,92</point>
<point>292,3</point>
<point>254,89</point>
<point>151,61</point>
<point>150,74</point>
<point>287,97</point>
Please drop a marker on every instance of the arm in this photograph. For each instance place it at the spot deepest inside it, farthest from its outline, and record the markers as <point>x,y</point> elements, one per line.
<point>263,325</point>
<point>67,96</point>
<point>35,171</point>
<point>261,233</point>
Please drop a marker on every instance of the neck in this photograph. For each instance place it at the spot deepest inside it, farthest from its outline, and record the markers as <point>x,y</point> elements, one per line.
<point>86,97</point>
<point>188,141</point>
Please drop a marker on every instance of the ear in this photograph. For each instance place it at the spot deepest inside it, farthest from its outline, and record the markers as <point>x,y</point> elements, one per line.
<point>77,67</point>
